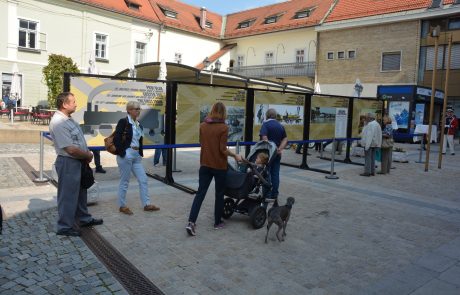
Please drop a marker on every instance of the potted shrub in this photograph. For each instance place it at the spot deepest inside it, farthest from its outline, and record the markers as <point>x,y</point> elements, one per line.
<point>399,155</point>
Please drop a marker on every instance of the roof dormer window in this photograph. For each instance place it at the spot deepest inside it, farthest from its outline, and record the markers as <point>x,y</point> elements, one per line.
<point>246,23</point>
<point>436,3</point>
<point>272,19</point>
<point>132,4</point>
<point>168,12</point>
<point>208,25</point>
<point>304,13</point>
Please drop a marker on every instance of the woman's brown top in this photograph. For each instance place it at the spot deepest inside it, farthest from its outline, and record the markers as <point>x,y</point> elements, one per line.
<point>213,140</point>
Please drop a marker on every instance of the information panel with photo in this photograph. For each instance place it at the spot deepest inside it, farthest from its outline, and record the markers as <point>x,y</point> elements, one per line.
<point>194,103</point>
<point>361,107</point>
<point>289,108</point>
<point>101,103</point>
<point>323,115</point>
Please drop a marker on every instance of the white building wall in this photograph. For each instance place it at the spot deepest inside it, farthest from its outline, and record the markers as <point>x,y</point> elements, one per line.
<point>282,44</point>
<point>194,48</point>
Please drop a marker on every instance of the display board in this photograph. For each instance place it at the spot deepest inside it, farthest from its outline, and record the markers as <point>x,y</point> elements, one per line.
<point>289,108</point>
<point>323,115</point>
<point>399,111</point>
<point>102,102</point>
<point>194,103</point>
<point>361,107</point>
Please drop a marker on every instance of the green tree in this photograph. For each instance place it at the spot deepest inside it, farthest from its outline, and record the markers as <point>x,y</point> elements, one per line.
<point>54,75</point>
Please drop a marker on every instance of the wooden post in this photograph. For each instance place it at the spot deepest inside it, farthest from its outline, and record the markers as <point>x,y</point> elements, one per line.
<point>435,35</point>
<point>446,88</point>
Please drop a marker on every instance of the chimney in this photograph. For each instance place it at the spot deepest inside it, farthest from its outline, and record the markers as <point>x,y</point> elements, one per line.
<point>203,17</point>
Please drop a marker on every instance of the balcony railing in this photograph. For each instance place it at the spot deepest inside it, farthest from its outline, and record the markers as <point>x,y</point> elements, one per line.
<point>276,70</point>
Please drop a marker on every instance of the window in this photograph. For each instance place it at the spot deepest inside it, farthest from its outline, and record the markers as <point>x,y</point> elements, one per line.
<point>168,12</point>
<point>436,4</point>
<point>271,19</point>
<point>303,13</point>
<point>246,23</point>
<point>269,58</point>
<point>299,56</point>
<point>351,53</point>
<point>27,34</point>
<point>330,55</point>
<point>132,4</point>
<point>208,25</point>
<point>341,54</point>
<point>178,57</point>
<point>442,57</point>
<point>140,53</point>
<point>101,46</point>
<point>430,58</point>
<point>391,61</point>
<point>454,23</point>
<point>240,61</point>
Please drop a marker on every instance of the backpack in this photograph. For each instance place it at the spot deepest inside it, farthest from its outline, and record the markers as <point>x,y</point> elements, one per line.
<point>108,141</point>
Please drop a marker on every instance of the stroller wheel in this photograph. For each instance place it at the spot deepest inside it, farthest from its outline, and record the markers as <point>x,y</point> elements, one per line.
<point>228,208</point>
<point>258,216</point>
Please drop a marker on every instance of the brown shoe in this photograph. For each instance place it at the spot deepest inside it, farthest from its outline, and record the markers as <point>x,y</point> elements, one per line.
<point>151,208</point>
<point>126,211</point>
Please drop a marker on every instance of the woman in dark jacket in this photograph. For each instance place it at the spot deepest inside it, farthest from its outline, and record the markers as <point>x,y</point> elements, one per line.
<point>128,142</point>
<point>213,164</point>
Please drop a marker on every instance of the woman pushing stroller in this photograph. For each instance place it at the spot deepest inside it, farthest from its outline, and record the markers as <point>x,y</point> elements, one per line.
<point>213,164</point>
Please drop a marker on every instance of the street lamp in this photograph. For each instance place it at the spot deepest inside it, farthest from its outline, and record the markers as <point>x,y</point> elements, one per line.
<point>358,88</point>
<point>217,64</point>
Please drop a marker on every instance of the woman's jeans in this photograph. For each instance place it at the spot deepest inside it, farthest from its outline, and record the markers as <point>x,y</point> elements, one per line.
<point>205,177</point>
<point>132,162</point>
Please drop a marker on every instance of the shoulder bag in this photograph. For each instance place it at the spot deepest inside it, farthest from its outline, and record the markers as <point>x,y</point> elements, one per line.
<point>108,141</point>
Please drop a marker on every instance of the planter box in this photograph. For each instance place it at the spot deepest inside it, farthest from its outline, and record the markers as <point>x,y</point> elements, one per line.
<point>400,157</point>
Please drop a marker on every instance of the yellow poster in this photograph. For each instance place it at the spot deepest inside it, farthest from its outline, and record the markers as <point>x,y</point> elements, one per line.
<point>323,112</point>
<point>194,103</point>
<point>101,103</point>
<point>361,107</point>
<point>289,108</point>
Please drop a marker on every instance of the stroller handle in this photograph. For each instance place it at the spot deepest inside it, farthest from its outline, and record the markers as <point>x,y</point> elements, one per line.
<point>253,166</point>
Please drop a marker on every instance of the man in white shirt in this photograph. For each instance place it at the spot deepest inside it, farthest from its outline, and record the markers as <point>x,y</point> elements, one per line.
<point>371,139</point>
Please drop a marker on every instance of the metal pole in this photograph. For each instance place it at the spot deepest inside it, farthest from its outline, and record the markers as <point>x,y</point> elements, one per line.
<point>42,151</point>
<point>332,176</point>
<point>421,150</point>
<point>446,88</point>
<point>433,91</point>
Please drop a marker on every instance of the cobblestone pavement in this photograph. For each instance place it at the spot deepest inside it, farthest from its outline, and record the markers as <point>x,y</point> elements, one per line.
<point>33,260</point>
<point>388,234</point>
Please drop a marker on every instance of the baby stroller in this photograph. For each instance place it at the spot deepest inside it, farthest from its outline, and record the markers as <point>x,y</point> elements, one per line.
<point>247,186</point>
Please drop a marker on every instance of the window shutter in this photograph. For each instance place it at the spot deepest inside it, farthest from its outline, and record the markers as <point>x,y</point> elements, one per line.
<point>455,57</point>
<point>391,61</point>
<point>430,57</point>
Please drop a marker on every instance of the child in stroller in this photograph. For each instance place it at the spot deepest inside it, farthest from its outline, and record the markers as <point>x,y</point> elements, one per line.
<point>248,185</point>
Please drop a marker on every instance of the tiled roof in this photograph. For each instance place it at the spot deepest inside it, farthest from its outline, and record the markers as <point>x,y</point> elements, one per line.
<point>216,55</point>
<point>145,11</point>
<point>188,17</point>
<point>287,10</point>
<point>351,9</point>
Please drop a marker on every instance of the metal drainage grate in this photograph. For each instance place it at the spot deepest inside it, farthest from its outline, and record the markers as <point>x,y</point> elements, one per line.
<point>124,271</point>
<point>28,169</point>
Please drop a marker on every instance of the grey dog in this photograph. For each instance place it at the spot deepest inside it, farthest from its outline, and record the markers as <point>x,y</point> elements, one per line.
<point>280,216</point>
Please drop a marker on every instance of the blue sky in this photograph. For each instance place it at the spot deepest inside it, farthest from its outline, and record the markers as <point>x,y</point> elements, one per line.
<point>230,6</point>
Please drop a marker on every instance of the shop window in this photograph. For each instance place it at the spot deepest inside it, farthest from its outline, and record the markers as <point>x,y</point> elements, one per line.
<point>330,55</point>
<point>391,61</point>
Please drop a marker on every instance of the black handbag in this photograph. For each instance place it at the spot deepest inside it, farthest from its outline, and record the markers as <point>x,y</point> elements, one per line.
<point>87,177</point>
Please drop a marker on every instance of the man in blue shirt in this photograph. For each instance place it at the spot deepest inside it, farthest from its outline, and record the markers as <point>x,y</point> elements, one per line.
<point>272,130</point>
